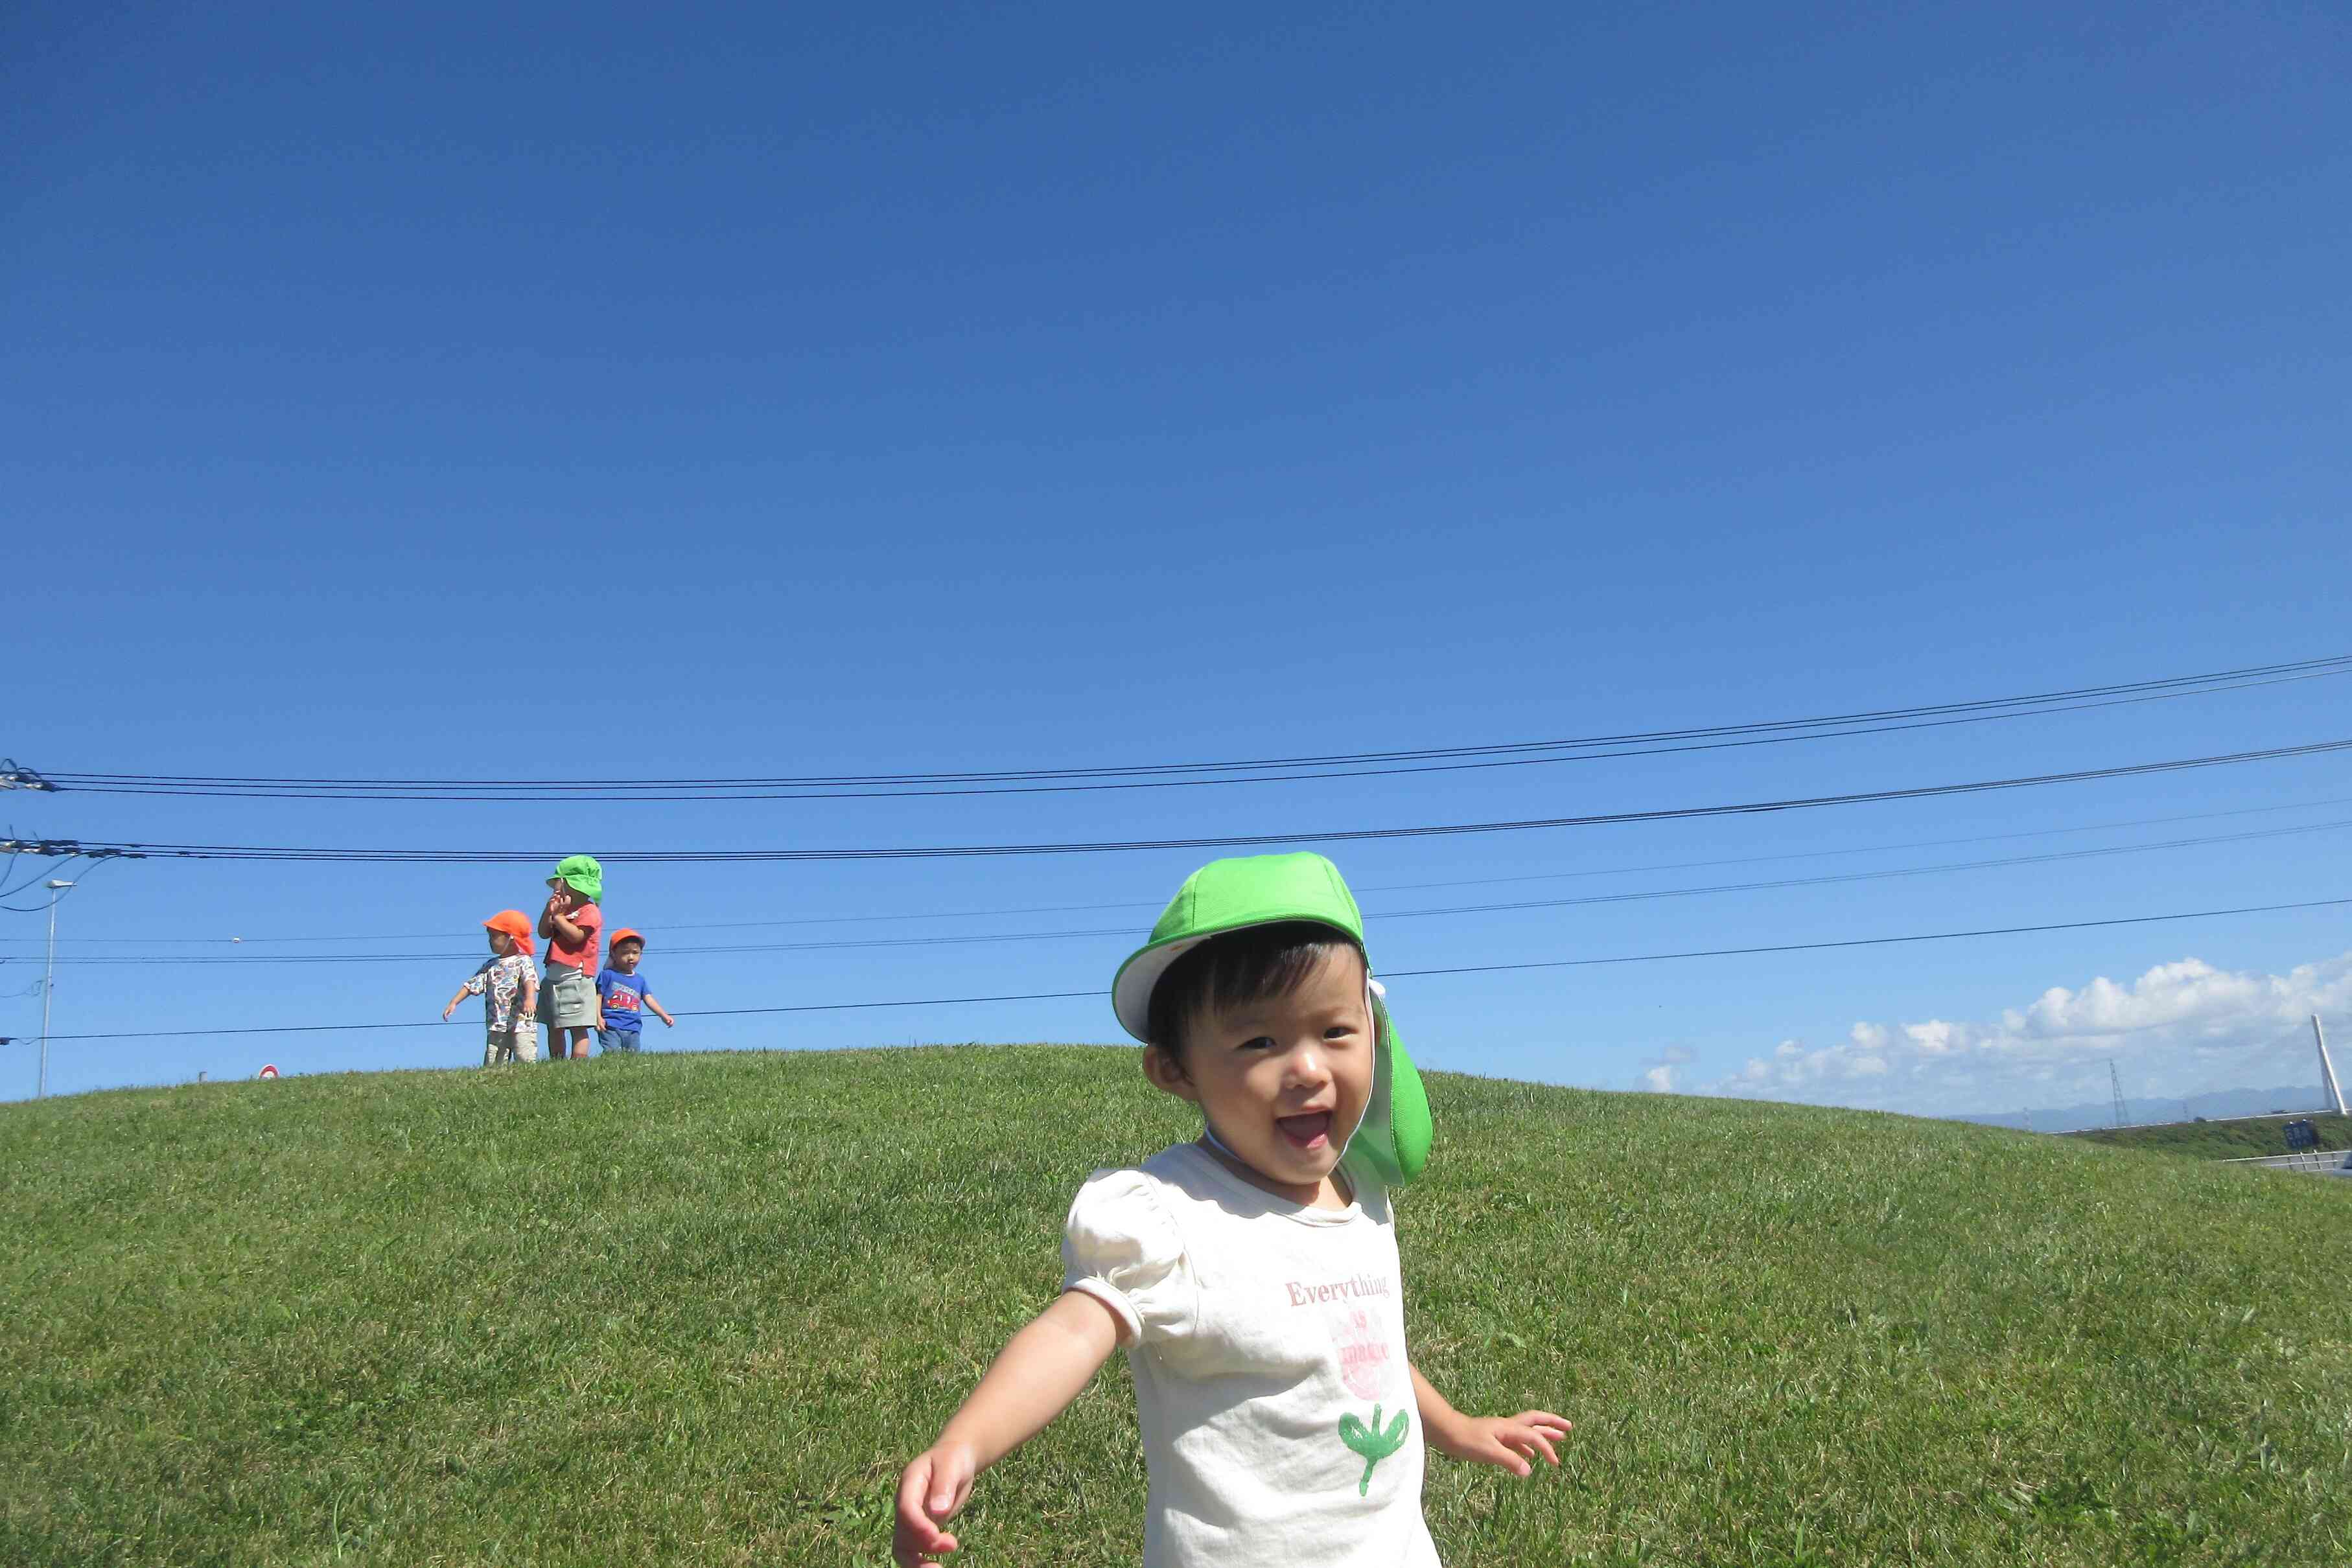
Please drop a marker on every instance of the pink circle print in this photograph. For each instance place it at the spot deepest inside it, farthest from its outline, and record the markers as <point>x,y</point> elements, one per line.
<point>1363,1353</point>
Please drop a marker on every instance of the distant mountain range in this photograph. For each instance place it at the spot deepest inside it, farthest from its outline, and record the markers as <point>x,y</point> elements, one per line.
<point>2102,1112</point>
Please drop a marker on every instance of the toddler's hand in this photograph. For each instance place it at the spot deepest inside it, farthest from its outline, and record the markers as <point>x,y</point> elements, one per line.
<point>447,1010</point>
<point>1510,1441</point>
<point>932,1490</point>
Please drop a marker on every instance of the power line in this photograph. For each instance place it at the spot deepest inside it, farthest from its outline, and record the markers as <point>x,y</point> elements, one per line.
<point>286,853</point>
<point>1154,776</point>
<point>2330,664</point>
<point>1385,974</point>
<point>668,926</point>
<point>1869,941</point>
<point>50,870</point>
<point>1635,895</point>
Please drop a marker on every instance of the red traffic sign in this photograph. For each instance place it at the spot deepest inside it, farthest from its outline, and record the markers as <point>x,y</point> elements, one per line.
<point>268,1070</point>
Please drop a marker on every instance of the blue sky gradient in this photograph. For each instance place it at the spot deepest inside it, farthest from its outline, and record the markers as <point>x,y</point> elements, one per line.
<point>574,393</point>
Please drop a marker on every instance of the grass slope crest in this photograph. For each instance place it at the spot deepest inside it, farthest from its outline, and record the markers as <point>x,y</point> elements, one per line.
<point>698,1309</point>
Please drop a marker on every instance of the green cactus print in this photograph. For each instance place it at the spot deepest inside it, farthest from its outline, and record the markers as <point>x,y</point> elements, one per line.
<point>1371,1442</point>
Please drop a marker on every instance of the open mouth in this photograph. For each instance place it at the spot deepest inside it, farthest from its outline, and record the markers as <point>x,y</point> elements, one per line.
<point>1306,1133</point>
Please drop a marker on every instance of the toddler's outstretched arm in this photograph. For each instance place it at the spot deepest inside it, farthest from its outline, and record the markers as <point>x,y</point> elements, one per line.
<point>1039,1372</point>
<point>472,988</point>
<point>1510,1441</point>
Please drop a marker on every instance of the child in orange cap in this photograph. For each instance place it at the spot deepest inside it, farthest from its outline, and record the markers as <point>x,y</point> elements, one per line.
<point>622,991</point>
<point>508,983</point>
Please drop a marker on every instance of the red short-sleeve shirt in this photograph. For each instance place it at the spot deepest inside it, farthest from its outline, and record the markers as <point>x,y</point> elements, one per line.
<point>591,921</point>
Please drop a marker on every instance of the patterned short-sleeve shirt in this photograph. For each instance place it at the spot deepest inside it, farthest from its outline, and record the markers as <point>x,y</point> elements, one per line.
<point>498,982</point>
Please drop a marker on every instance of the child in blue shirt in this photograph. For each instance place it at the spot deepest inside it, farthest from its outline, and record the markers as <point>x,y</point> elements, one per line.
<point>622,991</point>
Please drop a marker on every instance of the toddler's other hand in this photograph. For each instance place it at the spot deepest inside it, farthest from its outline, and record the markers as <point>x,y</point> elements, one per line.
<point>1510,1441</point>
<point>447,1010</point>
<point>932,1490</point>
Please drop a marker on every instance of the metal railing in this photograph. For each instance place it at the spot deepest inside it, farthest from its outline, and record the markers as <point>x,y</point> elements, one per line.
<point>2310,1162</point>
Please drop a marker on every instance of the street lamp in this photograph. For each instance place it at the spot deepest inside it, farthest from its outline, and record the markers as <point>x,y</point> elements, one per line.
<point>48,984</point>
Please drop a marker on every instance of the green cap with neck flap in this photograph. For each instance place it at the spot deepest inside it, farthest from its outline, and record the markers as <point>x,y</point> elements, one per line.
<point>1392,1140</point>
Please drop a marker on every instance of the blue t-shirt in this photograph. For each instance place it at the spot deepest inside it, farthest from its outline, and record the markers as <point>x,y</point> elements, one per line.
<point>625,997</point>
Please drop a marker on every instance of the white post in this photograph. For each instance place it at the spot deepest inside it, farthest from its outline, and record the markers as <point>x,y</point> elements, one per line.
<point>2326,1068</point>
<point>48,984</point>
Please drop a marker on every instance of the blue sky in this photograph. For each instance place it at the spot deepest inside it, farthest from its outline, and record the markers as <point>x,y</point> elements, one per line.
<point>577,393</point>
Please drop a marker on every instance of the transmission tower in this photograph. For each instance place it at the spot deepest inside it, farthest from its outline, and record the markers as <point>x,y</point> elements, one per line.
<point>2115,1080</point>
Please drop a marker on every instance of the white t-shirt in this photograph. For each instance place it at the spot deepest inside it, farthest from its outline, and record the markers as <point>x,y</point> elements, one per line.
<point>1267,1344</point>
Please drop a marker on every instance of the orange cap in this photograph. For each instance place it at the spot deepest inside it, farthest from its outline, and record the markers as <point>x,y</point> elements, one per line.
<point>622,935</point>
<point>515,923</point>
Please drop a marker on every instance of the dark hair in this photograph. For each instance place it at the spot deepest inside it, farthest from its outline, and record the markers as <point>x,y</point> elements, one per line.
<point>1253,964</point>
<point>637,942</point>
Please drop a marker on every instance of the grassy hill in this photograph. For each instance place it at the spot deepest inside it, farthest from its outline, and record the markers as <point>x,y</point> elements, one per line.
<point>2222,1139</point>
<point>698,1310</point>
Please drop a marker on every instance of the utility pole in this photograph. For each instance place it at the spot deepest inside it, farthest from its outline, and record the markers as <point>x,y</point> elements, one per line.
<point>48,984</point>
<point>2116,1080</point>
<point>2326,1069</point>
<point>62,850</point>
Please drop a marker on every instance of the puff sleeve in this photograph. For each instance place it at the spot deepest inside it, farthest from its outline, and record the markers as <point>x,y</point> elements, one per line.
<point>1122,1247</point>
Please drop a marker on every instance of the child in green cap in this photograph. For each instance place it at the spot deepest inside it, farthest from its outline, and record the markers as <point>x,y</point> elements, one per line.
<point>575,927</point>
<point>1252,1276</point>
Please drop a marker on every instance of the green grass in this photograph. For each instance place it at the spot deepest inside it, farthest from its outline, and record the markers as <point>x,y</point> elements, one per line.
<point>2222,1139</point>
<point>698,1310</point>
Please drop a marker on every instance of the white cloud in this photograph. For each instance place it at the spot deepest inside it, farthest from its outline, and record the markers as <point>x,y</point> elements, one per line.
<point>1661,1073</point>
<point>2180,1028</point>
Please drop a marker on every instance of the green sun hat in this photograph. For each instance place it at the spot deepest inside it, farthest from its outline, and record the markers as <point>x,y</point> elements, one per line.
<point>1392,1140</point>
<point>581,874</point>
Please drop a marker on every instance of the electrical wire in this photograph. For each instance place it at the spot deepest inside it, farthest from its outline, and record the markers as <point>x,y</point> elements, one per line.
<point>1867,941</point>
<point>285,853</point>
<point>51,869</point>
<point>48,873</point>
<point>1631,896</point>
<point>1097,991</point>
<point>1360,887</point>
<point>1154,776</point>
<point>1313,759</point>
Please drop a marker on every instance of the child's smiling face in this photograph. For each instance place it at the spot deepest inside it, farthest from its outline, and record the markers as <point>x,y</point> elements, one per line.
<point>1284,1080</point>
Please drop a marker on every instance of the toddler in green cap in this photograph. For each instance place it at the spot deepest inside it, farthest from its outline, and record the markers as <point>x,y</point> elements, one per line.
<point>574,927</point>
<point>1252,1276</point>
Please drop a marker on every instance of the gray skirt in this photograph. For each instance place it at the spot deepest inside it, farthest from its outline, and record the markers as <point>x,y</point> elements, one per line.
<point>567,998</point>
